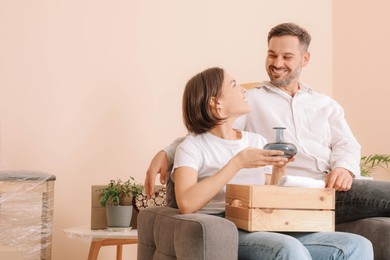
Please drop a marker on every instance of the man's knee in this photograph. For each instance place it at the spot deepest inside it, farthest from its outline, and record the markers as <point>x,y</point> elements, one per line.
<point>340,245</point>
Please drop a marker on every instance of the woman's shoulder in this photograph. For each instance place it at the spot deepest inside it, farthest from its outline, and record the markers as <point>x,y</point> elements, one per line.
<point>189,139</point>
<point>193,140</point>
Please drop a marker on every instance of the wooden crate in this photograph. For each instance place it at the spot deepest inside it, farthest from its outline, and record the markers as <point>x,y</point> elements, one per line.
<point>283,209</point>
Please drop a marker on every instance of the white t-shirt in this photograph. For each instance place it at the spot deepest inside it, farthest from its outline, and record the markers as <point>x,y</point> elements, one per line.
<point>207,153</point>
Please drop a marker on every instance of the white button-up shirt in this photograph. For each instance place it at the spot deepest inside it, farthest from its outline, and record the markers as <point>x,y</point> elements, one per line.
<point>314,122</point>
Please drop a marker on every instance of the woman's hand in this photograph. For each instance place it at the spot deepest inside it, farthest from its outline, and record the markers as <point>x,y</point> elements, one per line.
<point>254,158</point>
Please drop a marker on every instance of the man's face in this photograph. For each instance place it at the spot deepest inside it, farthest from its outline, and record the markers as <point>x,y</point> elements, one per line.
<point>285,59</point>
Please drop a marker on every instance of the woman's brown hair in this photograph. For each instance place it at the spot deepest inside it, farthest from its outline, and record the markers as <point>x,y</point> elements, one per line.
<point>198,115</point>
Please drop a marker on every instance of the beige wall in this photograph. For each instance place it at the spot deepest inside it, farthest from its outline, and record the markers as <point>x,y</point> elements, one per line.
<point>90,90</point>
<point>361,69</point>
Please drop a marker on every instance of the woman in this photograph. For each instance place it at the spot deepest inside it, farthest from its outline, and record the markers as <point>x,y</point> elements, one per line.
<point>216,154</point>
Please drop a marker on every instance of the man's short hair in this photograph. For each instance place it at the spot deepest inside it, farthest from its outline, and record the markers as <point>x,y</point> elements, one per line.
<point>291,29</point>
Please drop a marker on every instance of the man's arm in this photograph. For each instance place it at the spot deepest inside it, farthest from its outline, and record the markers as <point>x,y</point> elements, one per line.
<point>345,155</point>
<point>160,165</point>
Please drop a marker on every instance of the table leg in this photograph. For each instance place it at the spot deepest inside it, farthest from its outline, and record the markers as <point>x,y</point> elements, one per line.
<point>94,249</point>
<point>119,252</point>
<point>98,243</point>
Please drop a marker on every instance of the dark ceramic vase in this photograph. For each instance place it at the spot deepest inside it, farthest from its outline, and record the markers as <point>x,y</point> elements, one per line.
<point>289,149</point>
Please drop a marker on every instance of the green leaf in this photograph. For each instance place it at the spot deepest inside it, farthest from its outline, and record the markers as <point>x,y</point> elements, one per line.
<point>117,191</point>
<point>370,162</point>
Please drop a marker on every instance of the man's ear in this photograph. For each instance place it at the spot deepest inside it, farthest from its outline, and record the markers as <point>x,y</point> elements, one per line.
<point>306,58</point>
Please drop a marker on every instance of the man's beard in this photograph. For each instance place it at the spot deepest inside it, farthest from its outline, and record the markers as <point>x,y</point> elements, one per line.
<point>282,83</point>
<point>285,82</point>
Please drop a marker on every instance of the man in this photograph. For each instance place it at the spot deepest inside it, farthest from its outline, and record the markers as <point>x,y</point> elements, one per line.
<point>315,123</point>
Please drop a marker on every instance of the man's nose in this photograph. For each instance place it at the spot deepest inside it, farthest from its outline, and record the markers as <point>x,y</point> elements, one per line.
<point>278,62</point>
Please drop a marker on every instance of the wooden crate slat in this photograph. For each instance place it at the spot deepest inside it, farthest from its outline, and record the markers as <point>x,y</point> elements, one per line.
<point>281,220</point>
<point>292,220</point>
<point>271,196</point>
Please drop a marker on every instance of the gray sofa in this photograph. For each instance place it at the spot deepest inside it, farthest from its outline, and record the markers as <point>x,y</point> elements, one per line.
<point>377,230</point>
<point>164,234</point>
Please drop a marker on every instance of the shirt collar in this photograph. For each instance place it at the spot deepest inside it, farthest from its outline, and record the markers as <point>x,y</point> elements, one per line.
<point>303,87</point>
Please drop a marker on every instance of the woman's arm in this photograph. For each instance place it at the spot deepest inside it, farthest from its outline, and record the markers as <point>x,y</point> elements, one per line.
<point>192,195</point>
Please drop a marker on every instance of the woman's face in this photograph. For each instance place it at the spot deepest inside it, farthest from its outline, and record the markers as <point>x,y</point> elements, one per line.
<point>232,101</point>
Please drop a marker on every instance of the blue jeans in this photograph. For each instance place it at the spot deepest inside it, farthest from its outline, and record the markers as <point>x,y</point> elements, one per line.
<point>365,199</point>
<point>302,246</point>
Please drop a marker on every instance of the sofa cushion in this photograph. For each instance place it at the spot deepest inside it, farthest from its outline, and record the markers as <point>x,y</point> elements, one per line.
<point>377,230</point>
<point>164,233</point>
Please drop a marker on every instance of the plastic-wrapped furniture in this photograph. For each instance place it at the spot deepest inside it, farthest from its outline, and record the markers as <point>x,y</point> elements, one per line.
<point>26,212</point>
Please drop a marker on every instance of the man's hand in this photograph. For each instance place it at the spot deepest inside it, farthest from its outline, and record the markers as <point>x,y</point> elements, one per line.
<point>340,179</point>
<point>159,164</point>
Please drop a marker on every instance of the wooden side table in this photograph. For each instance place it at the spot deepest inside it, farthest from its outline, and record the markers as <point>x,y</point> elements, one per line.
<point>103,237</point>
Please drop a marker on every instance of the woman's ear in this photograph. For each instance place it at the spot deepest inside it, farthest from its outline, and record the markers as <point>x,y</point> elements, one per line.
<point>214,103</point>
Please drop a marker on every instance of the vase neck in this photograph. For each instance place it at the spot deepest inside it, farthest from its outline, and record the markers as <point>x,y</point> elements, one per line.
<point>279,134</point>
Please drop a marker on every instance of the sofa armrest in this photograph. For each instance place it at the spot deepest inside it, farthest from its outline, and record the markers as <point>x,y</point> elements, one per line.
<point>377,230</point>
<point>164,233</point>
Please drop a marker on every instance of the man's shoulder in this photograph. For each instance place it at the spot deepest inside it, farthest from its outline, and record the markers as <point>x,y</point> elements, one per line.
<point>316,95</point>
<point>322,97</point>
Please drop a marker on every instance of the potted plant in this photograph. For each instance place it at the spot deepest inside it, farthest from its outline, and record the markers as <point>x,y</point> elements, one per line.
<point>117,198</point>
<point>370,162</point>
